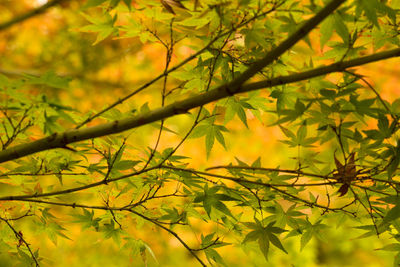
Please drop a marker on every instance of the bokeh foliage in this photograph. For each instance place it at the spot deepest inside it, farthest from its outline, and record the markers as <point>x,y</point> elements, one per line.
<point>209,183</point>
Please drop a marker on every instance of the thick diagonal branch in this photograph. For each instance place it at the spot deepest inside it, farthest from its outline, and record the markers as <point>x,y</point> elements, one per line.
<point>275,53</point>
<point>61,140</point>
<point>29,14</point>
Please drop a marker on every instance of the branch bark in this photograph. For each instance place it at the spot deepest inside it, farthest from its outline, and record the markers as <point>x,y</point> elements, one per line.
<point>29,14</point>
<point>61,140</point>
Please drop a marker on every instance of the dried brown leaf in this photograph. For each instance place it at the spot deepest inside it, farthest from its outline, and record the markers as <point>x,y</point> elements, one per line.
<point>167,6</point>
<point>343,189</point>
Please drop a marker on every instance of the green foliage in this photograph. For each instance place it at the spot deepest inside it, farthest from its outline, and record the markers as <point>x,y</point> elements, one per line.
<point>338,154</point>
<point>264,235</point>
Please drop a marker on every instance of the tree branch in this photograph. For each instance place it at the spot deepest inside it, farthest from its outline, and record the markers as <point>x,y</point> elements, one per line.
<point>107,208</point>
<point>21,240</point>
<point>275,53</point>
<point>60,140</point>
<point>29,14</point>
<point>172,69</point>
<point>335,67</point>
<point>80,188</point>
<point>257,182</point>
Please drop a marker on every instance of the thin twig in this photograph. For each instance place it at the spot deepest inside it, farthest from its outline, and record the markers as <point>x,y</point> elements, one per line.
<point>182,63</point>
<point>21,239</point>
